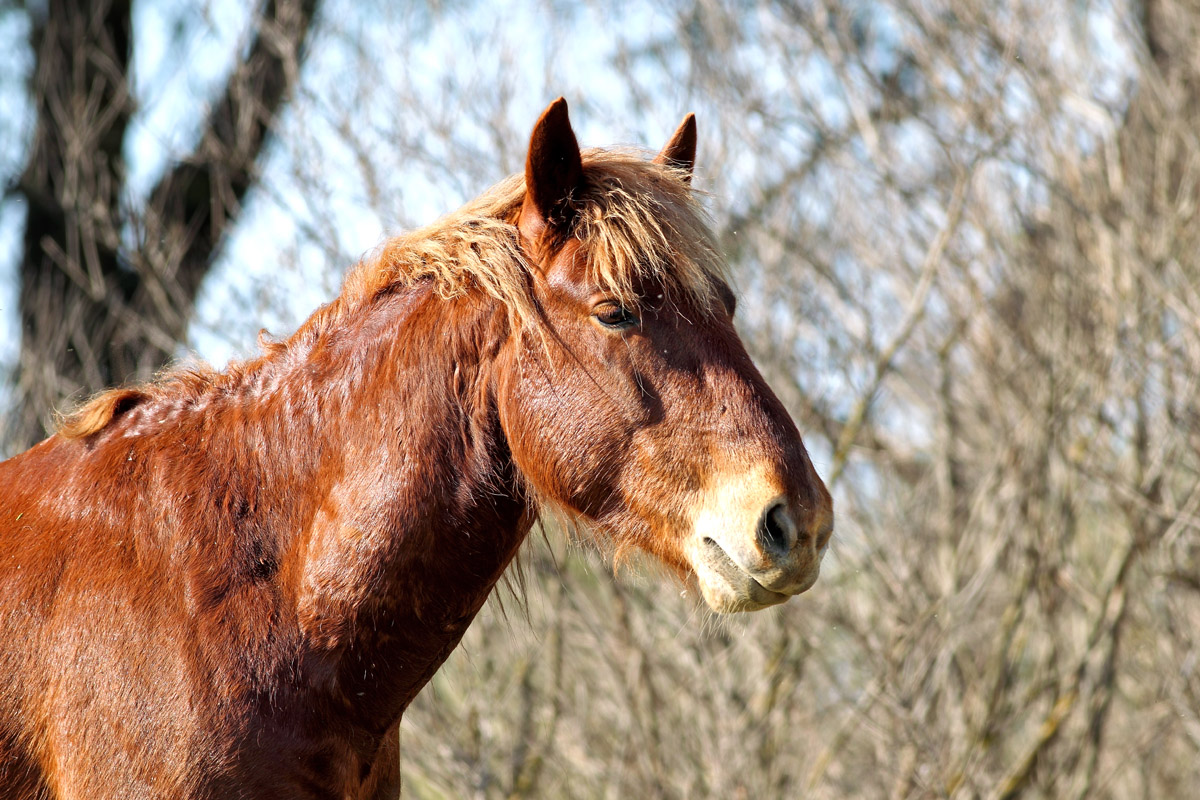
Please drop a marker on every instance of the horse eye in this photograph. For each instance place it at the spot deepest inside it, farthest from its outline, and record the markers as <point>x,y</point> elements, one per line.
<point>615,317</point>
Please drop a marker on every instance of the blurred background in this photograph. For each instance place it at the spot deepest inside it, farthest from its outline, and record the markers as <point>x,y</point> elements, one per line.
<point>965,234</point>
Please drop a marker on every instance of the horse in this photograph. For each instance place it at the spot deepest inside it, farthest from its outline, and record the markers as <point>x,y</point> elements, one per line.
<point>232,583</point>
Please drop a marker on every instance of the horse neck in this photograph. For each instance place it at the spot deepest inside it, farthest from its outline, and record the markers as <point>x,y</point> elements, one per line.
<point>422,508</point>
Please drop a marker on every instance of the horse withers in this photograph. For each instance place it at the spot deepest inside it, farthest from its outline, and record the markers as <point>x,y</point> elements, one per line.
<point>232,584</point>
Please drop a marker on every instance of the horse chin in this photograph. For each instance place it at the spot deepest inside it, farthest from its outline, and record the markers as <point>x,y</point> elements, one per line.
<point>726,587</point>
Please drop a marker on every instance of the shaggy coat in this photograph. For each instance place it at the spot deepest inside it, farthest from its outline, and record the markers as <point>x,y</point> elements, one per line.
<point>232,584</point>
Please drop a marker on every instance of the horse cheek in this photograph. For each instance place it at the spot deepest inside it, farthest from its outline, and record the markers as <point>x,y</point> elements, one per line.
<point>552,444</point>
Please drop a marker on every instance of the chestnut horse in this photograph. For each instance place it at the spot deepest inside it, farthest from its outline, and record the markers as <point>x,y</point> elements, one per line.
<point>232,584</point>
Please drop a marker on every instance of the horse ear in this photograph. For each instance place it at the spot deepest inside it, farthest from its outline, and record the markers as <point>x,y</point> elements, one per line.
<point>553,169</point>
<point>680,152</point>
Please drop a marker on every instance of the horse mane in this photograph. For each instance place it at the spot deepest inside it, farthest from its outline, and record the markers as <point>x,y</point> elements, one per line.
<point>637,220</point>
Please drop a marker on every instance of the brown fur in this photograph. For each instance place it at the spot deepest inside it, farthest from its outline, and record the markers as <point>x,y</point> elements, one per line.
<point>231,584</point>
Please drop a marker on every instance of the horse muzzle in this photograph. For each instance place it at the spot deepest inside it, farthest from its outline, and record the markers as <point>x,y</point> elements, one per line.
<point>753,546</point>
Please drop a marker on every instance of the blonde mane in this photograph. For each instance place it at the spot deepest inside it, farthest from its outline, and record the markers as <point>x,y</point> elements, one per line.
<point>636,220</point>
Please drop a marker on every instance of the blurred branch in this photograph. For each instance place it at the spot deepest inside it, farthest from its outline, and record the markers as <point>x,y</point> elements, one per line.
<point>913,314</point>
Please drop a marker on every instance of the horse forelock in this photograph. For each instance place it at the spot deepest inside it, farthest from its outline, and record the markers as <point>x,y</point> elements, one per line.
<point>641,221</point>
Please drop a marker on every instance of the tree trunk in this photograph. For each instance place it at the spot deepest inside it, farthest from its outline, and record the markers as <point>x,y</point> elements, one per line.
<point>93,313</point>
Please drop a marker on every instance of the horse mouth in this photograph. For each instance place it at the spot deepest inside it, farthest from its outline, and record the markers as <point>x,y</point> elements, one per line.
<point>727,588</point>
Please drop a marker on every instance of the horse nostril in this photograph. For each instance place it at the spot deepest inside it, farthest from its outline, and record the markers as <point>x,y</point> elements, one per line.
<point>774,529</point>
